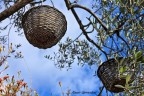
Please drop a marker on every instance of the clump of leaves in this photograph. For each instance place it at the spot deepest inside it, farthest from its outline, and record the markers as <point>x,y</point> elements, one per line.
<point>133,73</point>
<point>79,50</point>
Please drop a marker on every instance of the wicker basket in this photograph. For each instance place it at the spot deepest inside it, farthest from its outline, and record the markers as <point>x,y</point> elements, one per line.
<point>108,73</point>
<point>44,26</point>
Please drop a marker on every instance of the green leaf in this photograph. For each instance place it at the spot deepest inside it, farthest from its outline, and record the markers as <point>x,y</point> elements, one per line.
<point>128,77</point>
<point>119,86</point>
<point>117,1</point>
<point>132,11</point>
<point>121,70</point>
<point>125,68</point>
<point>127,86</point>
<point>138,56</point>
<point>123,61</point>
<point>133,87</point>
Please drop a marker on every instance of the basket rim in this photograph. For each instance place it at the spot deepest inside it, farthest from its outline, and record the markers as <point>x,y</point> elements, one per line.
<point>29,10</point>
<point>102,64</point>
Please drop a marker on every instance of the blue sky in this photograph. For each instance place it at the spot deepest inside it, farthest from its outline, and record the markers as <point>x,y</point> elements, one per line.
<point>41,74</point>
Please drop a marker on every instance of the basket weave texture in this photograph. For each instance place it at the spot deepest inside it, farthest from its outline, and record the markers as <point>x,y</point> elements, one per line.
<point>108,73</point>
<point>44,26</point>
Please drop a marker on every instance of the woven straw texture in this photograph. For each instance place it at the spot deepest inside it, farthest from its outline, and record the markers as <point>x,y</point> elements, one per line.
<point>108,73</point>
<point>44,26</point>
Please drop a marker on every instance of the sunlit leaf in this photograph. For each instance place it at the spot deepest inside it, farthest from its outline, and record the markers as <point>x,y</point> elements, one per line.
<point>138,55</point>
<point>119,86</point>
<point>128,77</point>
<point>121,70</point>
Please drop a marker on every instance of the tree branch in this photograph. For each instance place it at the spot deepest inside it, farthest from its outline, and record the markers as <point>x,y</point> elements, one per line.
<point>88,10</point>
<point>82,27</point>
<point>11,10</point>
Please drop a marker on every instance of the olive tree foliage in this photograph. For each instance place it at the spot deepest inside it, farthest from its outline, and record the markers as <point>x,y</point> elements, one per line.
<point>118,24</point>
<point>119,27</point>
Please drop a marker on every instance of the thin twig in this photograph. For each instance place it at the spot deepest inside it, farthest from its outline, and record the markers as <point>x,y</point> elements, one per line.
<point>124,41</point>
<point>73,40</point>
<point>88,10</point>
<point>52,3</point>
<point>101,91</point>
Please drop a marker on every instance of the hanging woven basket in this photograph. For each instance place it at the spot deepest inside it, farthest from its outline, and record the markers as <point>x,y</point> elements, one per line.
<point>44,26</point>
<point>108,73</point>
